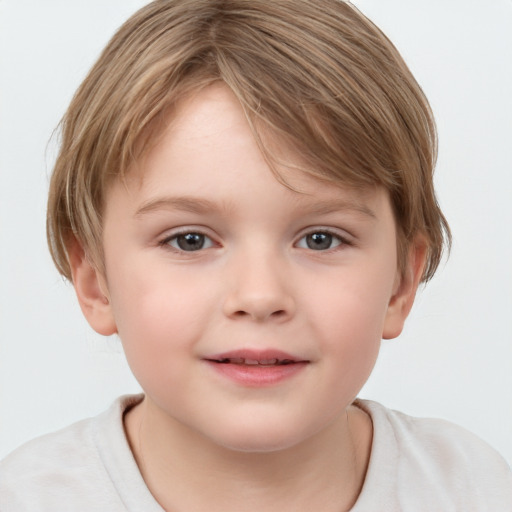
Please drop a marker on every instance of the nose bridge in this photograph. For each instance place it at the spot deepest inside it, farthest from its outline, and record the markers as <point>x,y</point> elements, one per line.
<point>259,287</point>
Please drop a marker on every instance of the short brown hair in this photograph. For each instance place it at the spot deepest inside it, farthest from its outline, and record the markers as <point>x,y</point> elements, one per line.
<point>318,74</point>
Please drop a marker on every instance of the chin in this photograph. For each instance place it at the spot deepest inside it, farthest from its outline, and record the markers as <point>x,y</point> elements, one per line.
<point>259,438</point>
<point>260,446</point>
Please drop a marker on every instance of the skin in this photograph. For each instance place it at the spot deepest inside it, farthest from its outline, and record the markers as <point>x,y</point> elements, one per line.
<point>256,284</point>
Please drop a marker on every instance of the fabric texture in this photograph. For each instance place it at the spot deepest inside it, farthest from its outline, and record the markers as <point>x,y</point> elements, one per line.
<point>415,465</point>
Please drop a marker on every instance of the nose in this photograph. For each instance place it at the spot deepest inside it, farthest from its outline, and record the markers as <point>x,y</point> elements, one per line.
<point>259,288</point>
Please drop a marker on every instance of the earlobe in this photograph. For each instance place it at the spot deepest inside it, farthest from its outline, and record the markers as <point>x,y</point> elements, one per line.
<point>91,290</point>
<point>404,293</point>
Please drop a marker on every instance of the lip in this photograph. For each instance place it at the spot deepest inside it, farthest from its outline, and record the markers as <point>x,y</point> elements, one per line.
<point>256,368</point>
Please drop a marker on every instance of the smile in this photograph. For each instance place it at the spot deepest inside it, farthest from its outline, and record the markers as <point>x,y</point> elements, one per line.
<point>251,368</point>
<point>254,362</point>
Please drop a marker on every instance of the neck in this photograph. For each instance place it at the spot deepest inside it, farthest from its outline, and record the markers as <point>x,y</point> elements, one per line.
<point>325,472</point>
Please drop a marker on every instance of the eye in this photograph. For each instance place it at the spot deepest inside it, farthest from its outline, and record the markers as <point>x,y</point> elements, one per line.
<point>189,242</point>
<point>320,241</point>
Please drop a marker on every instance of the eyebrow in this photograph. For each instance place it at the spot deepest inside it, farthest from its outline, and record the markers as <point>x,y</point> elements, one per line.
<point>336,205</point>
<point>203,206</point>
<point>187,204</point>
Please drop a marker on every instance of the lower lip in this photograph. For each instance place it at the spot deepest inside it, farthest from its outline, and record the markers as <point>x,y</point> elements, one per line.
<point>257,375</point>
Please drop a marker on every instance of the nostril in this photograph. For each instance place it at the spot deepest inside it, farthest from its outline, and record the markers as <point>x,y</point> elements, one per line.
<point>280,313</point>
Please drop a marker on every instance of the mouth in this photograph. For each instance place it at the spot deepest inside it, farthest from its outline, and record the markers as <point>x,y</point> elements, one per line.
<point>257,368</point>
<point>256,358</point>
<point>253,362</point>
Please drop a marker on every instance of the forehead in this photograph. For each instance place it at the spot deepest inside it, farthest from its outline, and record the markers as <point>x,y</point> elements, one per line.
<point>208,150</point>
<point>211,121</point>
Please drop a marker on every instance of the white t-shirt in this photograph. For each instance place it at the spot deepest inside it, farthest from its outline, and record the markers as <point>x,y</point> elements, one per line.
<point>415,465</point>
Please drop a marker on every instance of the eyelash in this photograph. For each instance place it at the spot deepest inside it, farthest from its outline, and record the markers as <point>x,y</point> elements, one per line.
<point>166,242</point>
<point>342,240</point>
<point>335,236</point>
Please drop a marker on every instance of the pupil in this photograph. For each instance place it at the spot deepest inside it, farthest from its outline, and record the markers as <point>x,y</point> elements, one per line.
<point>319,241</point>
<point>190,241</point>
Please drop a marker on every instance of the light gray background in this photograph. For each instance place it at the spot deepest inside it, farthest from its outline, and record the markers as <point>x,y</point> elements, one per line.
<point>454,359</point>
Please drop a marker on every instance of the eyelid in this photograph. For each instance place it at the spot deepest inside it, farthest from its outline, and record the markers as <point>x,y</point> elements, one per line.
<point>345,237</point>
<point>173,233</point>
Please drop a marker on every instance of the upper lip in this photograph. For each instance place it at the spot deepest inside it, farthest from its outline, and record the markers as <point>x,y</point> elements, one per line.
<point>254,357</point>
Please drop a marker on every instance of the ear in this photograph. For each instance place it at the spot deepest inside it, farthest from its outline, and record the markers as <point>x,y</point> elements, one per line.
<point>405,289</point>
<point>91,290</point>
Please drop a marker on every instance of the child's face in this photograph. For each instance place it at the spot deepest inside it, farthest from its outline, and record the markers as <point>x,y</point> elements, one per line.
<point>210,260</point>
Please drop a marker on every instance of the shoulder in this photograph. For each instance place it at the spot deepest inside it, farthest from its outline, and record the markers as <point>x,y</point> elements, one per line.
<point>438,462</point>
<point>66,466</point>
<point>63,445</point>
<point>430,435</point>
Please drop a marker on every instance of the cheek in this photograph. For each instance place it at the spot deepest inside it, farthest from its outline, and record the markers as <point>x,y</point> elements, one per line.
<point>353,336</point>
<point>158,315</point>
<point>349,320</point>
<point>356,308</point>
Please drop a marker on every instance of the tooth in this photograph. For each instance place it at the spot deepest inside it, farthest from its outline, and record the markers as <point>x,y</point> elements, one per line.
<point>268,361</point>
<point>251,361</point>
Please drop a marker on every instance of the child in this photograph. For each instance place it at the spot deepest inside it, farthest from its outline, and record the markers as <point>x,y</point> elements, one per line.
<point>244,194</point>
